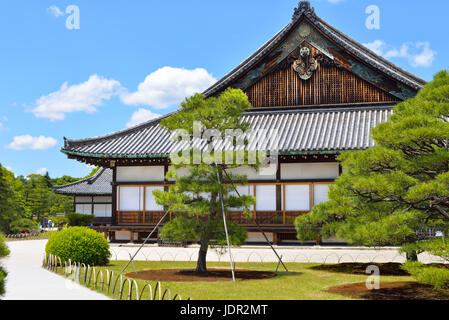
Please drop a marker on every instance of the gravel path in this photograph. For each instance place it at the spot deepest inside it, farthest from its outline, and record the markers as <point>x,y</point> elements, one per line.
<point>309,254</point>
<point>27,280</point>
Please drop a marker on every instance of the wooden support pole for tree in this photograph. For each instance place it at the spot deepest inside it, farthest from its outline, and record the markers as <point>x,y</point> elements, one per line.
<point>147,238</point>
<point>258,226</point>
<point>226,230</point>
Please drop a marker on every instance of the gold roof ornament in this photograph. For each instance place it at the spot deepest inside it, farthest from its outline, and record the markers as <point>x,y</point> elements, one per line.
<point>306,65</point>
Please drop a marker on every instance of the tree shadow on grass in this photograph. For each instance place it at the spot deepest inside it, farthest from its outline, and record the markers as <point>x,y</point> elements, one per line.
<point>399,290</point>
<point>386,269</point>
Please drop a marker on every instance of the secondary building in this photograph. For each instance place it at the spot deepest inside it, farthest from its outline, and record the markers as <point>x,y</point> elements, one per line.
<point>92,195</point>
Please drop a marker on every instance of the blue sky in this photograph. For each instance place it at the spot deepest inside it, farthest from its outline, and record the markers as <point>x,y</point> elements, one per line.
<point>133,60</point>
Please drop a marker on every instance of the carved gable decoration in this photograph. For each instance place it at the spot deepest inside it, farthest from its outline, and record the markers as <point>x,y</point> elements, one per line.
<point>326,81</point>
<point>306,65</point>
<point>310,48</point>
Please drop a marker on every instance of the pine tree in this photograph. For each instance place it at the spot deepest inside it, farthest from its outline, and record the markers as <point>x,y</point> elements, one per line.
<point>196,198</point>
<point>391,192</point>
<point>37,196</point>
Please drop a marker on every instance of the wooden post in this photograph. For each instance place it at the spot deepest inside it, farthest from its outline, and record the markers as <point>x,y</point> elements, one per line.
<point>317,239</point>
<point>131,236</point>
<point>144,204</point>
<point>283,203</point>
<point>114,197</point>
<point>255,207</point>
<point>275,238</point>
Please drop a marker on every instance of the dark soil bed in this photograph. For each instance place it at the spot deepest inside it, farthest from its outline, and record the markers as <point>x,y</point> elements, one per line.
<point>386,269</point>
<point>176,275</point>
<point>403,290</point>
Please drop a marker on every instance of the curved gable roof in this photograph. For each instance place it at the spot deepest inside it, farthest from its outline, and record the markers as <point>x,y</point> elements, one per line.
<point>304,11</point>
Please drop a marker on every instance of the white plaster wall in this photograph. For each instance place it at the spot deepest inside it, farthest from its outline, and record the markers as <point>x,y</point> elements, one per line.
<point>102,199</point>
<point>252,174</point>
<point>181,172</point>
<point>140,174</point>
<point>83,199</point>
<point>315,170</point>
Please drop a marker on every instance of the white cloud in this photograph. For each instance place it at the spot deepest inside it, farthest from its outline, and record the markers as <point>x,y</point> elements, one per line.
<point>3,120</point>
<point>8,168</point>
<point>169,86</point>
<point>376,46</point>
<point>28,142</point>
<point>54,11</point>
<point>141,115</point>
<point>85,97</point>
<point>42,171</point>
<point>418,54</point>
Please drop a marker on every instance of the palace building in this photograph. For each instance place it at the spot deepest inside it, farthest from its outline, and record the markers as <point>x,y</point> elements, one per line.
<point>320,90</point>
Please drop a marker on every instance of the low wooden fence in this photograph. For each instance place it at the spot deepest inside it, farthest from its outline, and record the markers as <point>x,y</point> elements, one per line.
<point>26,236</point>
<point>107,281</point>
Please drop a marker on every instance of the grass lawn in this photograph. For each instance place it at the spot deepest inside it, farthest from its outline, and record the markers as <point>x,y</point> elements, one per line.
<point>300,283</point>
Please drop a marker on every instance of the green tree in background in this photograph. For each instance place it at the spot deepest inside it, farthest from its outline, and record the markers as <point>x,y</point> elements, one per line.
<point>195,197</point>
<point>31,197</point>
<point>37,193</point>
<point>23,225</point>
<point>11,199</point>
<point>389,193</point>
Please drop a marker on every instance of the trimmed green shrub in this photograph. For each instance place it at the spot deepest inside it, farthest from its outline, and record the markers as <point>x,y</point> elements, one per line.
<point>438,277</point>
<point>80,220</point>
<point>23,225</point>
<point>2,281</point>
<point>438,247</point>
<point>79,244</point>
<point>4,251</point>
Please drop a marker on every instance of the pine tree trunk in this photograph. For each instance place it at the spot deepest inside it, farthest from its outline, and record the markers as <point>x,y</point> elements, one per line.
<point>201,263</point>
<point>412,256</point>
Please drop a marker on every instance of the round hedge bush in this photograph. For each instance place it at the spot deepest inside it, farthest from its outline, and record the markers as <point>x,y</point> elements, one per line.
<point>79,244</point>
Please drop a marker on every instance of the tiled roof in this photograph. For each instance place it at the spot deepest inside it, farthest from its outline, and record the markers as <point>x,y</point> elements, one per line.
<point>294,131</point>
<point>98,184</point>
